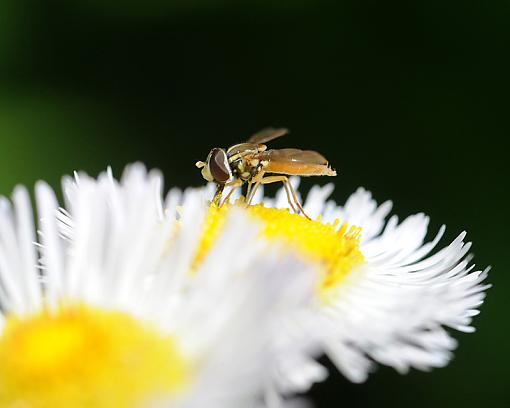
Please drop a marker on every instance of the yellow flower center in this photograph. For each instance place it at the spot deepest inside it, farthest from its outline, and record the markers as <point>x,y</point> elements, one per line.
<point>334,246</point>
<point>86,357</point>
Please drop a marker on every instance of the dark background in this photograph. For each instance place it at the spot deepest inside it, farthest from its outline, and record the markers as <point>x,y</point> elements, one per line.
<point>406,98</point>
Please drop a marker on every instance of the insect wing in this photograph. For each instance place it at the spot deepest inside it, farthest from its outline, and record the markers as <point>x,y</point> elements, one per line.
<point>267,134</point>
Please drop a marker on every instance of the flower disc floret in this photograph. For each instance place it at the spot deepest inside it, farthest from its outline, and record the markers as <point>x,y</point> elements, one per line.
<point>334,246</point>
<point>82,356</point>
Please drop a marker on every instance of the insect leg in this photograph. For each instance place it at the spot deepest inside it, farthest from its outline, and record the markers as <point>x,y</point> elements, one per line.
<point>235,186</point>
<point>296,200</point>
<point>217,195</point>
<point>257,180</point>
<point>248,191</point>
<point>252,190</point>
<point>250,197</point>
<point>291,194</point>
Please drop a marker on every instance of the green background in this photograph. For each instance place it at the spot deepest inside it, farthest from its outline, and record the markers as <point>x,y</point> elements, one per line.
<point>406,98</point>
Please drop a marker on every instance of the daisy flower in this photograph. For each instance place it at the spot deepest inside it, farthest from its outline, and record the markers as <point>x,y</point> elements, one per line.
<point>384,294</point>
<point>115,306</point>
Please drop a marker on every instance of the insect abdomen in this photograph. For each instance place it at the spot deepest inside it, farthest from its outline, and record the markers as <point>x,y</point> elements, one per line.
<point>299,169</point>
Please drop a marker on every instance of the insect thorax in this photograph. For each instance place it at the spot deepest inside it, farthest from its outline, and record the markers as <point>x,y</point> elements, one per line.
<point>246,169</point>
<point>242,162</point>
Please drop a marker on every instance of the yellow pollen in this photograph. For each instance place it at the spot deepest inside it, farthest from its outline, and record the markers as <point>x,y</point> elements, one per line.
<point>335,247</point>
<point>86,357</point>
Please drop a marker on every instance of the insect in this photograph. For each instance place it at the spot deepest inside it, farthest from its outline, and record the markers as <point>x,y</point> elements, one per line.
<point>250,162</point>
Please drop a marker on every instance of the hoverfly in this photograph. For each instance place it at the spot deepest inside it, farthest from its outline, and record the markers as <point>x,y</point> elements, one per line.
<point>250,161</point>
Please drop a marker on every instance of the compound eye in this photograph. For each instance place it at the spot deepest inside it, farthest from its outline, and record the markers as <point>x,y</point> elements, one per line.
<point>219,167</point>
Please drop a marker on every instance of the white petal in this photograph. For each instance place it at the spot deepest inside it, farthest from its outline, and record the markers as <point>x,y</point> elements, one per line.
<point>393,309</point>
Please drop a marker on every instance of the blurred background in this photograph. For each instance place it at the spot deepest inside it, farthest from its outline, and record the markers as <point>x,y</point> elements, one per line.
<point>406,98</point>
